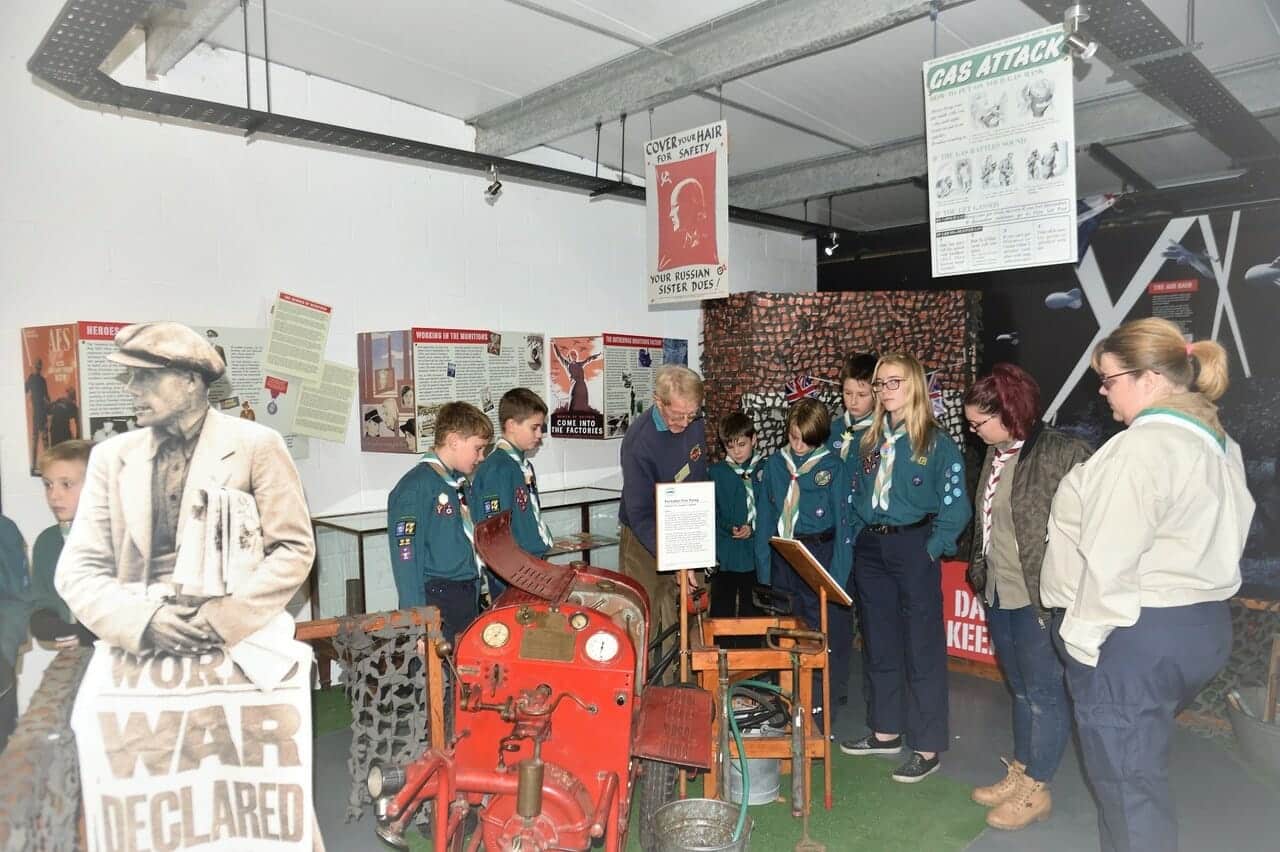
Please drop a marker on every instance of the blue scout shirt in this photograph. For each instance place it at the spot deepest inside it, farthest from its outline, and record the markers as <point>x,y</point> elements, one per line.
<point>424,528</point>
<point>932,484</point>
<point>824,505</point>
<point>652,453</point>
<point>845,435</point>
<point>734,554</point>
<point>15,590</point>
<point>498,485</point>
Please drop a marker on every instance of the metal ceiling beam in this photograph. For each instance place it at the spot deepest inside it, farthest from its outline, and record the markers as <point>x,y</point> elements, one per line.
<point>760,36</point>
<point>173,30</point>
<point>86,32</point>
<point>1131,177</point>
<point>1104,120</point>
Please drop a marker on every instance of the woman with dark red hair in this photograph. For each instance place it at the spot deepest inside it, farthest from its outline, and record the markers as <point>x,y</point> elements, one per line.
<point>1025,461</point>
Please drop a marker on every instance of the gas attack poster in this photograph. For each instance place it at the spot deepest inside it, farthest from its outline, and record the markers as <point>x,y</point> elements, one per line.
<point>468,365</point>
<point>600,384</point>
<point>183,752</point>
<point>687,202</point>
<point>1000,130</point>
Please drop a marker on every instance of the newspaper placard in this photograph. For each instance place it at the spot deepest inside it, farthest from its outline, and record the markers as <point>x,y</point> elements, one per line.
<point>106,408</point>
<point>50,386</point>
<point>687,202</point>
<point>1000,130</point>
<point>600,384</point>
<point>471,365</point>
<point>686,514</point>
<point>246,389</point>
<point>324,408</point>
<point>184,752</point>
<point>297,337</point>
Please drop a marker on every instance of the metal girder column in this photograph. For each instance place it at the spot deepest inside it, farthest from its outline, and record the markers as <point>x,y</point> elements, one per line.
<point>173,31</point>
<point>1105,120</point>
<point>758,37</point>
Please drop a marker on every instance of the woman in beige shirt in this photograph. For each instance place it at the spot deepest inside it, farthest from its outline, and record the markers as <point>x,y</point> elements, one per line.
<point>1144,550</point>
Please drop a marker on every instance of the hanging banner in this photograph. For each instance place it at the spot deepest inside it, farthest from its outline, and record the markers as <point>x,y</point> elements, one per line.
<point>687,197</point>
<point>1000,139</point>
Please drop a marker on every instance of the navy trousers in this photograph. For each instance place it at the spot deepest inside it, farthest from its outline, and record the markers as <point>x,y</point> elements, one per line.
<point>1124,709</point>
<point>905,639</point>
<point>459,603</point>
<point>839,620</point>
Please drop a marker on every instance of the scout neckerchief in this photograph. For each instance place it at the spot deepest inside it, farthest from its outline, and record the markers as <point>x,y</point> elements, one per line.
<point>746,472</point>
<point>531,482</point>
<point>884,474</point>
<point>1001,458</point>
<point>468,527</point>
<point>850,426</point>
<point>791,505</point>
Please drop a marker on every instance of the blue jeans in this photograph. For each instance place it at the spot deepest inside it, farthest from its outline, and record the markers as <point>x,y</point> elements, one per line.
<point>1033,671</point>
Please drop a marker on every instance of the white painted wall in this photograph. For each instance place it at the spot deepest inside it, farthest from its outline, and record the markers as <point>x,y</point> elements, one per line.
<point>119,218</point>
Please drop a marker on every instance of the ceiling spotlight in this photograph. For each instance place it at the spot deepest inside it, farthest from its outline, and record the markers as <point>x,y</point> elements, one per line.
<point>494,189</point>
<point>1080,48</point>
<point>835,244</point>
<point>1072,18</point>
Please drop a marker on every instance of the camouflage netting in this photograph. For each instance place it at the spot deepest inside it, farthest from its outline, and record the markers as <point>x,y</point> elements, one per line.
<point>754,343</point>
<point>386,687</point>
<point>39,772</point>
<point>1253,626</point>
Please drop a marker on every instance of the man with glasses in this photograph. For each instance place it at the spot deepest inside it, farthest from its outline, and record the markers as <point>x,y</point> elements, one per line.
<point>667,443</point>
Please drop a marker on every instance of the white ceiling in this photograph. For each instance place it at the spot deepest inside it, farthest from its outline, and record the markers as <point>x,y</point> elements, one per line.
<point>465,57</point>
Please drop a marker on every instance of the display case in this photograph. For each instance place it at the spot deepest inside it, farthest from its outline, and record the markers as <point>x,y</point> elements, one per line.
<point>353,560</point>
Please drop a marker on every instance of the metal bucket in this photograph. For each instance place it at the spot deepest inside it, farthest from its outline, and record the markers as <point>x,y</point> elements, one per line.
<point>1259,741</point>
<point>765,773</point>
<point>699,825</point>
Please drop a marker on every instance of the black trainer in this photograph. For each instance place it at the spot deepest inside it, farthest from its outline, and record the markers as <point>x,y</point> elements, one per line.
<point>870,744</point>
<point>917,768</point>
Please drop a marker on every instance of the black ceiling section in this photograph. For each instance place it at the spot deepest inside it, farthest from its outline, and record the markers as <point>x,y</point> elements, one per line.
<point>85,32</point>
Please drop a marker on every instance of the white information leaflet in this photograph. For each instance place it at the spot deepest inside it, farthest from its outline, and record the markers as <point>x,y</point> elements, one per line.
<point>324,408</point>
<point>686,525</point>
<point>1000,131</point>
<point>687,208</point>
<point>297,337</point>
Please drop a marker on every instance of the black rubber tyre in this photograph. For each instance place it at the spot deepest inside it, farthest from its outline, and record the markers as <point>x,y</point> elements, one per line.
<point>654,788</point>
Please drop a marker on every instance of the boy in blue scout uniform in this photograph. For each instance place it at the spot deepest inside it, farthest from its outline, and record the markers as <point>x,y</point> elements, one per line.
<point>736,479</point>
<point>910,506</point>
<point>433,555</point>
<point>847,429</point>
<point>804,496</point>
<point>506,480</point>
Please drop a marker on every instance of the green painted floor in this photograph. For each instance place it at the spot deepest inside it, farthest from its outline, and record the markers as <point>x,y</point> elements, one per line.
<point>871,811</point>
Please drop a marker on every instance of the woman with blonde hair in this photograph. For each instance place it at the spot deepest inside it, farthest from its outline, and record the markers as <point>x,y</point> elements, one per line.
<point>910,506</point>
<point>1144,549</point>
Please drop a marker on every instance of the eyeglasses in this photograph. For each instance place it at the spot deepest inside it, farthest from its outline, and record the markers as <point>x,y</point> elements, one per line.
<point>1108,381</point>
<point>888,384</point>
<point>671,415</point>
<point>976,426</point>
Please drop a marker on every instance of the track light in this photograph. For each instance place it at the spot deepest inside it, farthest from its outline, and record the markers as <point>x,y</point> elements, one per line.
<point>494,189</point>
<point>1072,18</point>
<point>835,244</point>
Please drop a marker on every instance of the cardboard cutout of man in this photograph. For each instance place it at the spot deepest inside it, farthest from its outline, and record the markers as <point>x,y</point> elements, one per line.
<point>139,489</point>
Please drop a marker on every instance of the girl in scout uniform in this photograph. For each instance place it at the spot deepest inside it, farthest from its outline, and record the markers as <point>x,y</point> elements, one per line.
<point>433,557</point>
<point>804,496</point>
<point>909,505</point>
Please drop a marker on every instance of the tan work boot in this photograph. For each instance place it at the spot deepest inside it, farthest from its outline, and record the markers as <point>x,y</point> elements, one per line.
<point>994,794</point>
<point>1029,803</point>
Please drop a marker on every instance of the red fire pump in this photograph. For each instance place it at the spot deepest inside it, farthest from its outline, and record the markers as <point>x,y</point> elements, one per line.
<point>554,727</point>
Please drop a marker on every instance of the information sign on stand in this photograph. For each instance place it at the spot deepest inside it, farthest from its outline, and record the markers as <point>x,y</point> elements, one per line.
<point>686,525</point>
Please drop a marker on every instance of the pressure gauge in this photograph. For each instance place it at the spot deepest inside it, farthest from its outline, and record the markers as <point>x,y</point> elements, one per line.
<point>601,647</point>
<point>578,620</point>
<point>495,634</point>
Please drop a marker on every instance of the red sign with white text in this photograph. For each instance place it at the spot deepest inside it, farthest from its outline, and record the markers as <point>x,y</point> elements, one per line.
<point>965,615</point>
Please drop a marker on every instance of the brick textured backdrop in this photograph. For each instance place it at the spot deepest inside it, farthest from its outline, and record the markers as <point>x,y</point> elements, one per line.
<point>753,343</point>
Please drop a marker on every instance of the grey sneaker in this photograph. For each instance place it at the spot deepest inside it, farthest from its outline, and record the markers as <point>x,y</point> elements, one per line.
<point>917,768</point>
<point>871,745</point>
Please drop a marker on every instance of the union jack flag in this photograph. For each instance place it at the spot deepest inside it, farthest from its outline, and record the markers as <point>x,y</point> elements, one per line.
<point>935,394</point>
<point>801,387</point>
